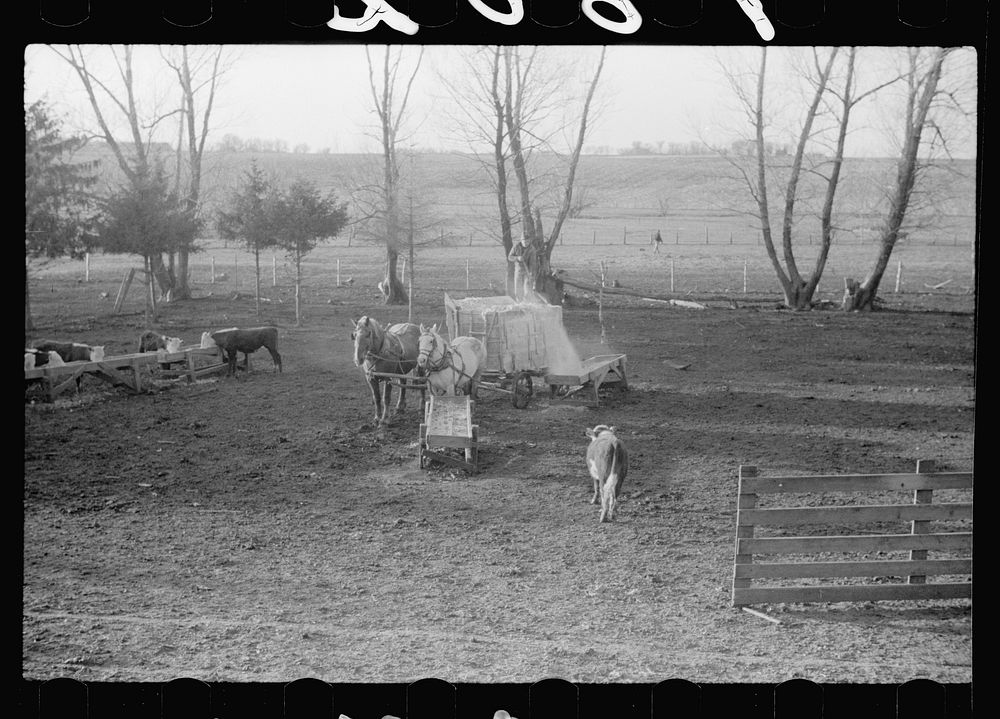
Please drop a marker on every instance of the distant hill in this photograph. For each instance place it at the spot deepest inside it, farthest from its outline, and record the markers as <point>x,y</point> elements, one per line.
<point>457,190</point>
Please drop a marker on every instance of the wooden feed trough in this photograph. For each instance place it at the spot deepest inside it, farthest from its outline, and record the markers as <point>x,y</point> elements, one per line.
<point>447,427</point>
<point>125,371</point>
<point>585,387</point>
<point>190,358</point>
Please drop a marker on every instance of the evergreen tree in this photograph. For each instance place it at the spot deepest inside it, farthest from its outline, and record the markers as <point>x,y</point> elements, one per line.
<point>302,217</point>
<point>59,212</point>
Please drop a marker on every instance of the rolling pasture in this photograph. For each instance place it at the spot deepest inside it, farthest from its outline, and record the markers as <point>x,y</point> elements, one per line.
<point>264,528</point>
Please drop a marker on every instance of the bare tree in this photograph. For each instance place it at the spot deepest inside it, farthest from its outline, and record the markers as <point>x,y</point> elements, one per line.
<point>830,97</point>
<point>115,100</point>
<point>512,101</point>
<point>198,71</point>
<point>923,76</point>
<point>390,94</point>
<point>134,156</point>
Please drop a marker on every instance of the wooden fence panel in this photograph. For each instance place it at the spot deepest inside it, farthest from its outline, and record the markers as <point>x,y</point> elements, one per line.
<point>921,539</point>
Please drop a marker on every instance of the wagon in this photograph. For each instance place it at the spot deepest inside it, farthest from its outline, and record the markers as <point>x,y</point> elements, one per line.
<point>583,386</point>
<point>525,341</point>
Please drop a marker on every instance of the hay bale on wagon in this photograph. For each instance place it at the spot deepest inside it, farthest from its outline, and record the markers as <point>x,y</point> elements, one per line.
<point>517,335</point>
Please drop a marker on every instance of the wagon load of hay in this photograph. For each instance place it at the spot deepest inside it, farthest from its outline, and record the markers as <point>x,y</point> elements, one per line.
<point>518,336</point>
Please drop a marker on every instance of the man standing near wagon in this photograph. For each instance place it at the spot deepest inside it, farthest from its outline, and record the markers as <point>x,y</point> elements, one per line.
<point>522,254</point>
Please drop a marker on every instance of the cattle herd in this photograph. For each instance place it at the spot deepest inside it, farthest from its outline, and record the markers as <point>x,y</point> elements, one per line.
<point>377,349</point>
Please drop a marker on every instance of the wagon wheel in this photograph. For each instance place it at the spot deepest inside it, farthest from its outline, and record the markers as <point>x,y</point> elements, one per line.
<point>521,390</point>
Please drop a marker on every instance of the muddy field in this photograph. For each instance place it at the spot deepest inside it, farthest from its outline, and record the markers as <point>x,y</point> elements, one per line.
<point>263,528</point>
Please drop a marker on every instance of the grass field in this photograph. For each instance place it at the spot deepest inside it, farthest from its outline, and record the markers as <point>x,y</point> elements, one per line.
<point>702,272</point>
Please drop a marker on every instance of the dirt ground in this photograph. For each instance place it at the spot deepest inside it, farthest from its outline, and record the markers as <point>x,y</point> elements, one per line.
<point>264,529</point>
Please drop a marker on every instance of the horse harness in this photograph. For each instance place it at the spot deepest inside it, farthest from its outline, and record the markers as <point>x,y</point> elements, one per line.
<point>445,361</point>
<point>397,356</point>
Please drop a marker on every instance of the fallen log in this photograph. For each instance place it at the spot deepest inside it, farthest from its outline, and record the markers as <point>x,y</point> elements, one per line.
<point>632,293</point>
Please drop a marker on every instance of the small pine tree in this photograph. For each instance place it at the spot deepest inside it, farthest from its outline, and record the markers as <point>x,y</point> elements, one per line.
<point>246,217</point>
<point>301,218</point>
<point>145,218</point>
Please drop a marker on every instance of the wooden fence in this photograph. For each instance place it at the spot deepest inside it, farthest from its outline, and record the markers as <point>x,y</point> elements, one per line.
<point>918,541</point>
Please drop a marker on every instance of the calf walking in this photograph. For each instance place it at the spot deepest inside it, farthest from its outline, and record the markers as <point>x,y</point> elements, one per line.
<point>607,460</point>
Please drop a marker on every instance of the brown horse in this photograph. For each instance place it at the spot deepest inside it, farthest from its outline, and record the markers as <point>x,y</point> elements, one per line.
<point>392,349</point>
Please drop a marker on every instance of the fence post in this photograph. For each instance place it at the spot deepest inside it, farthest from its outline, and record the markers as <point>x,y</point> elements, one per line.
<point>274,271</point>
<point>470,239</point>
<point>744,275</point>
<point>745,500</point>
<point>86,267</point>
<point>213,269</point>
<point>466,273</point>
<point>595,237</point>
<point>730,237</point>
<point>625,235</point>
<point>338,272</point>
<point>921,496</point>
<point>706,234</point>
<point>123,289</point>
<point>899,274</point>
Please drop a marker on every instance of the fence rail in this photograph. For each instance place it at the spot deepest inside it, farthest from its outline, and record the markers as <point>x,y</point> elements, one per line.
<point>920,513</point>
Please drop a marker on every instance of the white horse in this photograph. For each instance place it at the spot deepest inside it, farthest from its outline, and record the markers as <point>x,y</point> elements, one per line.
<point>452,368</point>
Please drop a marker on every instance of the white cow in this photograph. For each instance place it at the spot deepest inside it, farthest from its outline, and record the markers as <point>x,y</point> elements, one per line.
<point>607,460</point>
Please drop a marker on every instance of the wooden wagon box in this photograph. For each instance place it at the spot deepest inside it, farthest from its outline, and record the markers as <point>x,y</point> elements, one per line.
<point>516,335</point>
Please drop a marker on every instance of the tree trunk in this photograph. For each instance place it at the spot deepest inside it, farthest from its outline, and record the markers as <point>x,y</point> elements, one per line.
<point>150,313</point>
<point>182,288</point>
<point>861,296</point>
<point>29,326</point>
<point>798,294</point>
<point>541,280</point>
<point>159,270</point>
<point>256,264</point>
<point>393,290</point>
<point>298,288</point>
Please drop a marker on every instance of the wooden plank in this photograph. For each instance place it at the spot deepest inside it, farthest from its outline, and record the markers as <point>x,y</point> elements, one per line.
<point>123,361</point>
<point>447,440</point>
<point>920,526</point>
<point>123,289</point>
<point>64,382</point>
<point>449,416</point>
<point>854,514</point>
<point>855,543</point>
<point>109,372</point>
<point>211,369</point>
<point>851,593</point>
<point>744,532</point>
<point>861,482</point>
<point>137,375</point>
<point>882,568</point>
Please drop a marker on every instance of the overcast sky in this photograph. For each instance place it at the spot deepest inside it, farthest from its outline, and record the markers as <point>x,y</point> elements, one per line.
<point>319,95</point>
